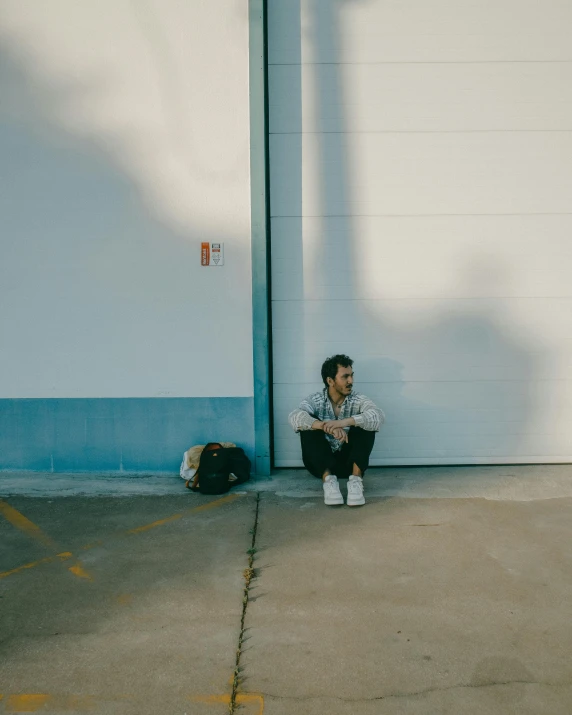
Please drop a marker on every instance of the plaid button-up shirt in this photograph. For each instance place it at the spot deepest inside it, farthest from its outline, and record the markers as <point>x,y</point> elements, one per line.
<point>319,407</point>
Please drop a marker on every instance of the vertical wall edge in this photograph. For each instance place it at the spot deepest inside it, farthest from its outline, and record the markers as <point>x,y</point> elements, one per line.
<point>259,235</point>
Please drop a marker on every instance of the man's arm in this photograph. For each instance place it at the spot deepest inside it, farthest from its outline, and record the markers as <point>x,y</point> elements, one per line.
<point>370,417</point>
<point>304,418</point>
<point>336,431</point>
<point>330,425</point>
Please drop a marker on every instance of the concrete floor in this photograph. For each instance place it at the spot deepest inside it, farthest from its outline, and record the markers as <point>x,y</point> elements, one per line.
<point>449,592</point>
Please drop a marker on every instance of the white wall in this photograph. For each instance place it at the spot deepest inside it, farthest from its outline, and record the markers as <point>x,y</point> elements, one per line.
<point>421,165</point>
<point>124,143</point>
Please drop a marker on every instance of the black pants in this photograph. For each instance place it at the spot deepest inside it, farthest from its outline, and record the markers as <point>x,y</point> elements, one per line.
<point>317,453</point>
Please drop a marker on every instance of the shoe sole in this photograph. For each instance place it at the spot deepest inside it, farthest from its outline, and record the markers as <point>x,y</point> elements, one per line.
<point>337,502</point>
<point>361,502</point>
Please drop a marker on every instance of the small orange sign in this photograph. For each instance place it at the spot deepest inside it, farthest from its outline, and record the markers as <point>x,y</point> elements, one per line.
<point>205,254</point>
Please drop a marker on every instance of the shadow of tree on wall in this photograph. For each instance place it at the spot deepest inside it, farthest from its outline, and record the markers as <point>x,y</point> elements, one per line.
<point>103,213</point>
<point>455,382</point>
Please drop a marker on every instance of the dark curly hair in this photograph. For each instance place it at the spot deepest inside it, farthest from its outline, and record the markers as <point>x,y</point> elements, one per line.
<point>330,366</point>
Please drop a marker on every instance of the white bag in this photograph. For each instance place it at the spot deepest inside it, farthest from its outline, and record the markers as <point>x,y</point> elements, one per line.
<point>186,472</point>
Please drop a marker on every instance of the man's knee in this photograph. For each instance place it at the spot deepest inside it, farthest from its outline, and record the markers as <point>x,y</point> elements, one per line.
<point>357,434</point>
<point>312,436</point>
<point>316,452</point>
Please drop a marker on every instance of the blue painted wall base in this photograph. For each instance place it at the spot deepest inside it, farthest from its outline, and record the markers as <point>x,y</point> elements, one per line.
<point>118,434</point>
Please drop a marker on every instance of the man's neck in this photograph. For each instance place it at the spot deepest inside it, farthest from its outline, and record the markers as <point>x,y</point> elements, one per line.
<point>335,397</point>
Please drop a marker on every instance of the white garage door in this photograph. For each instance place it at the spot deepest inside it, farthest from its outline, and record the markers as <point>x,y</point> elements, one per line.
<point>421,217</point>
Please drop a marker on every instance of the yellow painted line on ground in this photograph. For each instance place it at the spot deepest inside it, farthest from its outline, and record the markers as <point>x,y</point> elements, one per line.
<point>23,524</point>
<point>48,560</point>
<point>77,569</point>
<point>124,599</point>
<point>241,699</point>
<point>95,544</point>
<point>14,517</point>
<point>211,699</point>
<point>169,519</point>
<point>218,502</point>
<point>27,703</point>
<point>154,524</point>
<point>36,702</point>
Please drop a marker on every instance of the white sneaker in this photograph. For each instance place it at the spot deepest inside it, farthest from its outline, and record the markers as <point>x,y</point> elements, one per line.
<point>332,493</point>
<point>355,491</point>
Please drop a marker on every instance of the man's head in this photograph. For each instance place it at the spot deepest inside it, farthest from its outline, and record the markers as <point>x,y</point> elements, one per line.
<point>338,374</point>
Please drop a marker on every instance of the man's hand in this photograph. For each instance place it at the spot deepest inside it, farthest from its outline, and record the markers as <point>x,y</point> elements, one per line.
<point>333,427</point>
<point>330,425</point>
<point>340,434</point>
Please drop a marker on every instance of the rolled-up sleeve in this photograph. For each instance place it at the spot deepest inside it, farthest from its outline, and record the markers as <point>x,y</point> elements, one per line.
<point>370,417</point>
<point>303,418</point>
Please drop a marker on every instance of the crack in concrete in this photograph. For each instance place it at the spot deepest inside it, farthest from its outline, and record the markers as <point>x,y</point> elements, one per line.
<point>418,693</point>
<point>248,574</point>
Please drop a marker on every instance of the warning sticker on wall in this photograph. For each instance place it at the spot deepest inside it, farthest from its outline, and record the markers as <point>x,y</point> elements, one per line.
<point>212,254</point>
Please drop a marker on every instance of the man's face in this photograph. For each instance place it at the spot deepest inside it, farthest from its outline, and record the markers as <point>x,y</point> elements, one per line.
<point>344,380</point>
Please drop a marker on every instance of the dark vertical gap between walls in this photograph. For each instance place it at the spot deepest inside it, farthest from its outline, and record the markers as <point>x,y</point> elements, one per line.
<point>268,235</point>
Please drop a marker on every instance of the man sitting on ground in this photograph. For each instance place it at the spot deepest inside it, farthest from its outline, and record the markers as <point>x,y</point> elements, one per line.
<point>337,429</point>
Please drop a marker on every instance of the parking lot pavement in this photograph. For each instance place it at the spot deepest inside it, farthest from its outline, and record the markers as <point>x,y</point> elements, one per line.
<point>414,607</point>
<point>267,602</point>
<point>121,606</point>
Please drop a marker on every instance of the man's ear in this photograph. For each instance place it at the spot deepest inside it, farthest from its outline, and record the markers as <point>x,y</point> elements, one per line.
<point>330,381</point>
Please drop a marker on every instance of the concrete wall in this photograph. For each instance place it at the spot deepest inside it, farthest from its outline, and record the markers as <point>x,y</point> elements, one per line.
<point>124,143</point>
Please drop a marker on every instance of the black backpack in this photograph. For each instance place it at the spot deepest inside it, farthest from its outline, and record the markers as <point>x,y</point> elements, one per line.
<point>221,468</point>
